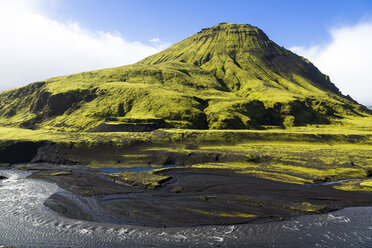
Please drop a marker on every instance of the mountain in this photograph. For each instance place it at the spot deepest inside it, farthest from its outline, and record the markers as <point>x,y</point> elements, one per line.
<point>230,76</point>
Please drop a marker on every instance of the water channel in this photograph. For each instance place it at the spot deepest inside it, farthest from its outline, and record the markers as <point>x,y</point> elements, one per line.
<point>26,222</point>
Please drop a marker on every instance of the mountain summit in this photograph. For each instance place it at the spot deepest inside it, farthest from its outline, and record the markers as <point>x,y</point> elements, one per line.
<point>230,76</point>
<point>245,59</point>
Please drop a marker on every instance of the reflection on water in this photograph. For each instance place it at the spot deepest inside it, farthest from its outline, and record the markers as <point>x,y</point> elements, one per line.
<point>24,221</point>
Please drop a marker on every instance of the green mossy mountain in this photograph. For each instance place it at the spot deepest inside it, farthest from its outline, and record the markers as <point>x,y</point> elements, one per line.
<point>230,76</point>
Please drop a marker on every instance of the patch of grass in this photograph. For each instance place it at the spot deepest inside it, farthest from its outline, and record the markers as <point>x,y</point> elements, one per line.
<point>58,173</point>
<point>306,207</point>
<point>363,185</point>
<point>145,179</point>
<point>280,177</point>
<point>223,214</point>
<point>87,192</point>
<point>61,173</point>
<point>319,174</point>
<point>294,162</point>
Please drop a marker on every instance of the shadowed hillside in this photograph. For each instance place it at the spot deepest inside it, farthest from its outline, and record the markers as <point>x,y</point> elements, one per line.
<point>230,76</point>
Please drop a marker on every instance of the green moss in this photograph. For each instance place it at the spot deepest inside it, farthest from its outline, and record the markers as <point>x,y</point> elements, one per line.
<point>229,76</point>
<point>298,155</point>
<point>59,173</point>
<point>306,207</point>
<point>145,179</point>
<point>280,177</point>
<point>289,121</point>
<point>87,192</point>
<point>366,183</point>
<point>363,185</point>
<point>320,174</point>
<point>223,214</point>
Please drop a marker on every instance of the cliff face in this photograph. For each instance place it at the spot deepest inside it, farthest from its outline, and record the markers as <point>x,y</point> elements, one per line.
<point>230,76</point>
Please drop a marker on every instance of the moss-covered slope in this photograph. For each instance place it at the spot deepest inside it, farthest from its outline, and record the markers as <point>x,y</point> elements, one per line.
<point>230,76</point>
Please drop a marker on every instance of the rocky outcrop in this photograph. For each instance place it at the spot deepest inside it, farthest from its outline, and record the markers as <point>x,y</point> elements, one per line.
<point>19,152</point>
<point>125,127</point>
<point>15,152</point>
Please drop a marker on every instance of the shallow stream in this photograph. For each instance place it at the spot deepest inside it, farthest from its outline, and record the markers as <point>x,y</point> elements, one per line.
<point>25,221</point>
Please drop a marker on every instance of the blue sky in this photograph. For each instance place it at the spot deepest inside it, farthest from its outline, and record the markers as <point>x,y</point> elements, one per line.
<point>46,38</point>
<point>288,22</point>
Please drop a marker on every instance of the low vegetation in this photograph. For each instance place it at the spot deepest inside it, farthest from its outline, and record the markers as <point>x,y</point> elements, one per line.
<point>244,105</point>
<point>300,155</point>
<point>145,179</point>
<point>223,214</point>
<point>229,76</point>
<point>364,185</point>
<point>58,173</point>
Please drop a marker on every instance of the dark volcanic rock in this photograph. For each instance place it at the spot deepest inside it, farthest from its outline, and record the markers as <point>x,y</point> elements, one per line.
<point>105,127</point>
<point>51,153</point>
<point>13,152</point>
<point>19,152</point>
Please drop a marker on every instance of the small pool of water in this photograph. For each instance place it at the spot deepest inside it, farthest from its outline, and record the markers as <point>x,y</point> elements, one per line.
<point>132,169</point>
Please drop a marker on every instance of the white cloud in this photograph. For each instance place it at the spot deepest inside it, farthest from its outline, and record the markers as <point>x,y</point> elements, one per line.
<point>155,40</point>
<point>160,44</point>
<point>347,59</point>
<point>34,47</point>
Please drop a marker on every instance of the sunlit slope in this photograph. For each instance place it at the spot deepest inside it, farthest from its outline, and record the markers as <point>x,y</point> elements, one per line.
<point>244,59</point>
<point>230,76</point>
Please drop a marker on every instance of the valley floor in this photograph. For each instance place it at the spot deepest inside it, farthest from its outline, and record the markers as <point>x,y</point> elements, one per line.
<point>223,176</point>
<point>190,197</point>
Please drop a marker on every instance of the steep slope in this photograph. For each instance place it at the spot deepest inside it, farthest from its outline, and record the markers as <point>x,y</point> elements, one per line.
<point>248,62</point>
<point>230,76</point>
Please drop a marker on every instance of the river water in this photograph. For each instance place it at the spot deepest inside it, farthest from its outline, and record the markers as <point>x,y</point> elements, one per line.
<point>26,222</point>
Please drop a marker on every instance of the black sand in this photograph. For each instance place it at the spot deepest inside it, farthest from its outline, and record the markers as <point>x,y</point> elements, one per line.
<point>196,197</point>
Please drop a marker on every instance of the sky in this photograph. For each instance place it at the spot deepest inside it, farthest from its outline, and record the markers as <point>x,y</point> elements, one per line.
<point>40,39</point>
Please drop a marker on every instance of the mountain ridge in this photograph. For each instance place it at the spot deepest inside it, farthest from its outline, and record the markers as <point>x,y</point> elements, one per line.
<point>229,76</point>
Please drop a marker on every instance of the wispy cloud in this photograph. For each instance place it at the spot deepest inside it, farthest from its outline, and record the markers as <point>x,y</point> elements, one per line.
<point>347,59</point>
<point>34,47</point>
<point>160,44</point>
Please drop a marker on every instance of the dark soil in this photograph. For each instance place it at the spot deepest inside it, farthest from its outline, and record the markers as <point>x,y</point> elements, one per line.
<point>197,197</point>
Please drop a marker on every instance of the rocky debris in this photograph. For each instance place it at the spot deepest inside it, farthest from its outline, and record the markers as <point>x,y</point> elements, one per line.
<point>51,153</point>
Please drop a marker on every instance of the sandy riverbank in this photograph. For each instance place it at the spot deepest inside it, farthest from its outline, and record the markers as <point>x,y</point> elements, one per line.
<point>193,197</point>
